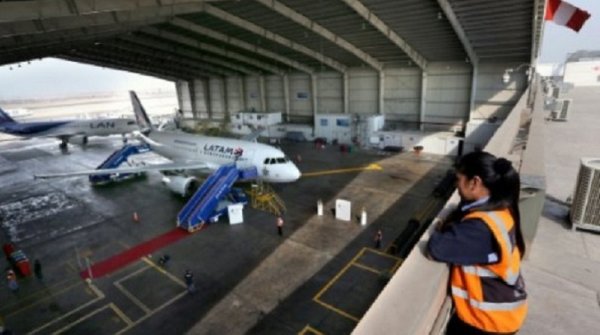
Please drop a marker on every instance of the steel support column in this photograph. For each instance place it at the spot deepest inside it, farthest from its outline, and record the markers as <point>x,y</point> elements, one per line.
<point>423,99</point>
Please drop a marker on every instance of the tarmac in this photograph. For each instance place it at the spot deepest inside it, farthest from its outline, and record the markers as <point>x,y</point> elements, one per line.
<point>319,277</point>
<point>562,271</point>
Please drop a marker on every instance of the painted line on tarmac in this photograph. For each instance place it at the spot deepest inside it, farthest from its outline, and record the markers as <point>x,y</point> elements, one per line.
<point>165,272</point>
<point>133,299</point>
<point>112,306</point>
<point>370,167</point>
<point>161,307</point>
<point>367,268</point>
<point>308,330</point>
<point>99,296</point>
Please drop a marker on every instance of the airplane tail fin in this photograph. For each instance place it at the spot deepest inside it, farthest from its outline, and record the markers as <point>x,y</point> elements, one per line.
<point>140,114</point>
<point>5,118</point>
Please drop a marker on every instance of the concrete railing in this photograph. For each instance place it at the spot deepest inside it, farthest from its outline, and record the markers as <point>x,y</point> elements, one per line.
<point>415,299</point>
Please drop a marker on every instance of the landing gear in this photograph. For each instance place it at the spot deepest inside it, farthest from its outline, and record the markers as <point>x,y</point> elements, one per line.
<point>84,141</point>
<point>124,139</point>
<point>63,144</point>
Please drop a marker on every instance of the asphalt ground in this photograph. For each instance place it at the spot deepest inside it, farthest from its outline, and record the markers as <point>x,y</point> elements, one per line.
<point>67,223</point>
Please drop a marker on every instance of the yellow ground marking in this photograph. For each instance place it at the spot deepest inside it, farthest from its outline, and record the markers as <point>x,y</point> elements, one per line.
<point>338,275</point>
<point>130,295</point>
<point>396,266</point>
<point>337,310</point>
<point>112,306</point>
<point>310,330</point>
<point>353,262</point>
<point>381,253</point>
<point>368,268</point>
<point>99,296</point>
<point>133,299</point>
<point>165,272</point>
<point>161,307</point>
<point>34,296</point>
<point>370,167</point>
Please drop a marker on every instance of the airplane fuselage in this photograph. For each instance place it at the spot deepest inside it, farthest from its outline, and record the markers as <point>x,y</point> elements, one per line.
<point>270,162</point>
<point>66,129</point>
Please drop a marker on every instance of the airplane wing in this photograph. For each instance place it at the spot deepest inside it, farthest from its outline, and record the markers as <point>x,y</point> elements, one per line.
<point>132,169</point>
<point>253,135</point>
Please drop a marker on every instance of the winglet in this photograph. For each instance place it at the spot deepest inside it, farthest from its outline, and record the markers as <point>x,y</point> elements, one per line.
<point>140,114</point>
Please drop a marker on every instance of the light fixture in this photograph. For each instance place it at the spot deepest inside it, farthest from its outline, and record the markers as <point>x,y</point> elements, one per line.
<point>506,76</point>
<point>507,73</point>
<point>439,16</point>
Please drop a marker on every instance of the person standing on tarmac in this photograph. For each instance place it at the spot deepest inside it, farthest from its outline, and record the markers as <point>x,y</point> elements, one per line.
<point>189,281</point>
<point>280,226</point>
<point>483,244</point>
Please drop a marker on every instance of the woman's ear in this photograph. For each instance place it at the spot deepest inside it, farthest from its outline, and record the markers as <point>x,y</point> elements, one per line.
<point>476,182</point>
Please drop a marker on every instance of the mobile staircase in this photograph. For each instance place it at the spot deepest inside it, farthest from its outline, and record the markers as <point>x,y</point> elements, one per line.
<point>115,160</point>
<point>212,198</point>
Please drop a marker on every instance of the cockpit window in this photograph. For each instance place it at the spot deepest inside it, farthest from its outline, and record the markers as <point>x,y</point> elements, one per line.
<point>272,161</point>
<point>266,161</point>
<point>281,160</point>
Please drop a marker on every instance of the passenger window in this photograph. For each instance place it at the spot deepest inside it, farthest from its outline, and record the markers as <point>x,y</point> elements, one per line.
<point>280,160</point>
<point>130,123</point>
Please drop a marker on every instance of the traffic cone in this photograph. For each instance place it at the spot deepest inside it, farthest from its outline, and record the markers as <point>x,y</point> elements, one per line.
<point>136,218</point>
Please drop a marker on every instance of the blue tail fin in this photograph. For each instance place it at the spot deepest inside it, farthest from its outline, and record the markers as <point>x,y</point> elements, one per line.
<point>140,113</point>
<point>5,118</point>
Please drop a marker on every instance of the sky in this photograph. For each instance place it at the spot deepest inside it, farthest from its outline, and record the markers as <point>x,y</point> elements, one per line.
<point>50,78</point>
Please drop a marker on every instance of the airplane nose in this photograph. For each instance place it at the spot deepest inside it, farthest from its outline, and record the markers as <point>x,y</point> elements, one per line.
<point>297,173</point>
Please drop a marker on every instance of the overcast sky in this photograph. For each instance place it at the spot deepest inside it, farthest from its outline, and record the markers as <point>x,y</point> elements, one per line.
<point>55,78</point>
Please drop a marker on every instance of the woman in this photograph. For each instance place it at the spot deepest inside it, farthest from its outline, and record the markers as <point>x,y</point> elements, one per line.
<point>483,243</point>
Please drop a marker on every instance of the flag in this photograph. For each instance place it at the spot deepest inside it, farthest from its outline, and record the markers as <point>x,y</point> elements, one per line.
<point>565,14</point>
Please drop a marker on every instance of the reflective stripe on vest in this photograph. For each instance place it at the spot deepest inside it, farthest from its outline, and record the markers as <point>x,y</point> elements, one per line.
<point>511,277</point>
<point>487,306</point>
<point>491,297</point>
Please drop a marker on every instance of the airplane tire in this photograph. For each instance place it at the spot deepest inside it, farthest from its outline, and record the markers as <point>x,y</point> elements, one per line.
<point>85,140</point>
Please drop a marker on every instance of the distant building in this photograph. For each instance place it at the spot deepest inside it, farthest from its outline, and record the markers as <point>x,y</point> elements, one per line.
<point>582,68</point>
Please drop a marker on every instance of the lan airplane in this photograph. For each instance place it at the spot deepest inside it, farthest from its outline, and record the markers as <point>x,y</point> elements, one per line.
<point>189,152</point>
<point>65,130</point>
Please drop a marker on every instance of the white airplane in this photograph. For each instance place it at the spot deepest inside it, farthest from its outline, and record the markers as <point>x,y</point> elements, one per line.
<point>191,154</point>
<point>66,130</point>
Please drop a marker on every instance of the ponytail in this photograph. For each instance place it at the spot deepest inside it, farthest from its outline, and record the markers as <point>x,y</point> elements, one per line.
<point>502,180</point>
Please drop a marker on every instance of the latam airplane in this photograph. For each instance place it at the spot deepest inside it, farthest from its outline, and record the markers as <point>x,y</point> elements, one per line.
<point>196,154</point>
<point>65,130</point>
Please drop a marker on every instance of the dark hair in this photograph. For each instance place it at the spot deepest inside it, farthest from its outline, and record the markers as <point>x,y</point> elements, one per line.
<point>503,182</point>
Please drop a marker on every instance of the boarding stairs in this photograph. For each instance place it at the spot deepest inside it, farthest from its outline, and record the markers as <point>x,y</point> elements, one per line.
<point>115,160</point>
<point>212,198</point>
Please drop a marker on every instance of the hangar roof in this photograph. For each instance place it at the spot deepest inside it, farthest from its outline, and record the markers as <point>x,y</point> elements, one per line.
<point>184,39</point>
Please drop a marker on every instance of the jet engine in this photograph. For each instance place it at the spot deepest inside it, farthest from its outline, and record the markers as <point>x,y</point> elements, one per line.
<point>182,185</point>
<point>78,139</point>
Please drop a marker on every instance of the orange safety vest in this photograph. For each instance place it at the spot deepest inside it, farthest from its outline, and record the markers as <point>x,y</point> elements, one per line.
<point>492,297</point>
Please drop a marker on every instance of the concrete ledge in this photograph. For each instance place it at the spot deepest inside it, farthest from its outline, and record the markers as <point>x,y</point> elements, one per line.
<point>412,301</point>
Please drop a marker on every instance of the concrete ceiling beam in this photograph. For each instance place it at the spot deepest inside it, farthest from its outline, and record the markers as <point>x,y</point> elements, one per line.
<point>459,30</point>
<point>11,11</point>
<point>376,22</point>
<point>271,36</point>
<point>201,30</point>
<point>211,49</point>
<point>168,57</point>
<point>153,44</point>
<point>313,26</point>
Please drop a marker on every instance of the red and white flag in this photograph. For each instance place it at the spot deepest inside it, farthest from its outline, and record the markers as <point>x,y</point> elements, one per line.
<point>565,14</point>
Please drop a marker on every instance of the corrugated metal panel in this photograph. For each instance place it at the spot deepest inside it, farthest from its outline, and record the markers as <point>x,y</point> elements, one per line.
<point>422,24</point>
<point>272,21</point>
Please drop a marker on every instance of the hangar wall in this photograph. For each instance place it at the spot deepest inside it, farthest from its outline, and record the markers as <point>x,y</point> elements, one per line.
<point>446,104</point>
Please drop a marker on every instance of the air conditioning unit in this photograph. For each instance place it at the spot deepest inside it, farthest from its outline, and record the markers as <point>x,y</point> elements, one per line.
<point>585,209</point>
<point>560,112</point>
